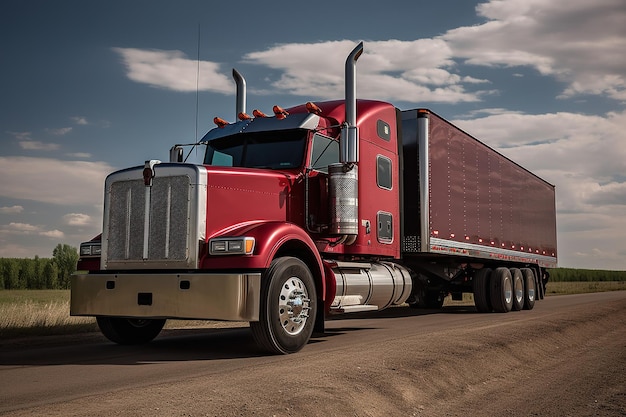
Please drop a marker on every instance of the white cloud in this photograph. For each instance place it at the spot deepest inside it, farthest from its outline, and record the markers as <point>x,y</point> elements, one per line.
<point>56,234</point>
<point>577,41</point>
<point>26,229</point>
<point>77,219</point>
<point>83,155</point>
<point>173,70</point>
<point>11,210</point>
<point>53,181</point>
<point>21,135</point>
<point>22,228</point>
<point>35,145</point>
<point>79,120</point>
<point>59,131</point>
<point>392,69</point>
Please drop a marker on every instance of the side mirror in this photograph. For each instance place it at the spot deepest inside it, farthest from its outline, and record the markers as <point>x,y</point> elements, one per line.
<point>176,153</point>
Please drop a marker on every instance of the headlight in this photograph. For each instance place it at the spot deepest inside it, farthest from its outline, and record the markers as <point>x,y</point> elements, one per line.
<point>90,249</point>
<point>231,246</point>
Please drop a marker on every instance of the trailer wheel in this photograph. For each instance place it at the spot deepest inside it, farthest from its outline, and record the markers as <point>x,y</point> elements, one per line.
<point>481,290</point>
<point>518,289</point>
<point>501,290</point>
<point>130,331</point>
<point>530,289</point>
<point>288,307</point>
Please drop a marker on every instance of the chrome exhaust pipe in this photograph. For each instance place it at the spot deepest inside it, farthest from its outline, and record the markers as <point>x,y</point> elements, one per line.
<point>349,143</point>
<point>241,93</point>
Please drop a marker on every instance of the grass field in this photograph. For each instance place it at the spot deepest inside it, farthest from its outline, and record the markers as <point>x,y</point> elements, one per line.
<point>46,312</point>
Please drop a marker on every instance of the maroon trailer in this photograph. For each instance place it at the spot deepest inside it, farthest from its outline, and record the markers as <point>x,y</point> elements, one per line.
<point>324,208</point>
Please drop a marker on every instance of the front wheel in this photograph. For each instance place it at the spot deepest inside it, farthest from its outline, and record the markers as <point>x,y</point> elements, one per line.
<point>288,307</point>
<point>130,331</point>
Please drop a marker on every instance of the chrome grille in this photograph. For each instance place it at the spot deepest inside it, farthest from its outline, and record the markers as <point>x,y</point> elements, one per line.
<point>167,210</point>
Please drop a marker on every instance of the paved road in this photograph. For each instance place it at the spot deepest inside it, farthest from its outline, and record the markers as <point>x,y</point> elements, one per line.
<point>395,362</point>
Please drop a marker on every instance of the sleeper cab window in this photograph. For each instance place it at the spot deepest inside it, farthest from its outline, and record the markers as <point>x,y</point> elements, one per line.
<point>383,172</point>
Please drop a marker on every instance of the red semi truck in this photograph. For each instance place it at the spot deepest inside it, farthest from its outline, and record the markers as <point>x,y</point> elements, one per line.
<point>324,208</point>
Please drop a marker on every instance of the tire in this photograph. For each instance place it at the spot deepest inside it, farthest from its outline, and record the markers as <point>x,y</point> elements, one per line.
<point>481,290</point>
<point>518,289</point>
<point>288,307</point>
<point>530,290</point>
<point>130,331</point>
<point>501,290</point>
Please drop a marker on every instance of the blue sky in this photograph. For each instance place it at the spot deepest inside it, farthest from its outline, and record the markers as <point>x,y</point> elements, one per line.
<point>90,87</point>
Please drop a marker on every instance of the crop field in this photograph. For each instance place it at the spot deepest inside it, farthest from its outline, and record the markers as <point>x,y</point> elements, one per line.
<point>46,312</point>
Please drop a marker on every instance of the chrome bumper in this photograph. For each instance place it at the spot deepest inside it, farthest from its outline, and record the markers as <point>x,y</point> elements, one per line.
<point>184,296</point>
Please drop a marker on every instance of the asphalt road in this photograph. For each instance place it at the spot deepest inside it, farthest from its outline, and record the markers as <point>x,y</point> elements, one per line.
<point>565,357</point>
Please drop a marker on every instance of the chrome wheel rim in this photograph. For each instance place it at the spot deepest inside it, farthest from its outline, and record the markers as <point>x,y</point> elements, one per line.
<point>293,306</point>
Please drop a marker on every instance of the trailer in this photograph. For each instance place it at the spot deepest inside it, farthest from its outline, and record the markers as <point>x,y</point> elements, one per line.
<point>324,208</point>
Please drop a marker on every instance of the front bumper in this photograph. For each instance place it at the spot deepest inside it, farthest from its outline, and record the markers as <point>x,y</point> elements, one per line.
<point>182,296</point>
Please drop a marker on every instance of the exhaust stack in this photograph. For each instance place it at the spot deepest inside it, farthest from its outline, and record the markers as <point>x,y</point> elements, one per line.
<point>343,181</point>
<point>349,143</point>
<point>241,93</point>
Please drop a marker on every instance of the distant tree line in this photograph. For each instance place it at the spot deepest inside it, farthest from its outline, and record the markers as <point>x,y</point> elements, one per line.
<point>585,275</point>
<point>39,273</point>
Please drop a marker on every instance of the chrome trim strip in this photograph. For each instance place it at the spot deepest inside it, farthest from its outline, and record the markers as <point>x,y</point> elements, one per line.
<point>450,247</point>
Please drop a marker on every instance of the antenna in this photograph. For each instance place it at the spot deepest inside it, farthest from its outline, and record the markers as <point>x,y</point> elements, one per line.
<point>197,82</point>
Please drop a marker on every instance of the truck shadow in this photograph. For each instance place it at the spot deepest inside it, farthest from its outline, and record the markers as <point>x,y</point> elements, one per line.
<point>173,345</point>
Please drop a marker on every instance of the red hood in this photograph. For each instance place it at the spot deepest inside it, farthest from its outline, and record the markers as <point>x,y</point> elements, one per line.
<point>243,195</point>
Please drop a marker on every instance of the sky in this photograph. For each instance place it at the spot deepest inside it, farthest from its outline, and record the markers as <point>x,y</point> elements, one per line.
<point>89,87</point>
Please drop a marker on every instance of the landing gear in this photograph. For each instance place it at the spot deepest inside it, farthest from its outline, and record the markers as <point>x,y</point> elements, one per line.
<point>288,307</point>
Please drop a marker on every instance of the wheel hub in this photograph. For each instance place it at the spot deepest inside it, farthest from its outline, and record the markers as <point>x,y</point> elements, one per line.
<point>293,306</point>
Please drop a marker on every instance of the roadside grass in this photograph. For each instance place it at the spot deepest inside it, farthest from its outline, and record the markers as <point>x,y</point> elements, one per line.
<point>26,313</point>
<point>40,312</point>
<point>47,312</point>
<point>565,288</point>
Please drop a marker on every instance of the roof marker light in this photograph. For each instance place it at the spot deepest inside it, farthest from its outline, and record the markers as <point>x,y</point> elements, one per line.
<point>220,122</point>
<point>258,113</point>
<point>244,116</point>
<point>313,108</point>
<point>280,112</point>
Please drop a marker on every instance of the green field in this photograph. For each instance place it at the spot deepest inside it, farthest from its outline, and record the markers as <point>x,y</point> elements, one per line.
<point>46,312</point>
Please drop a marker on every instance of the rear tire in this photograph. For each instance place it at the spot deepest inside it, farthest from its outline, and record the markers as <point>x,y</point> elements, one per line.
<point>501,290</point>
<point>481,290</point>
<point>530,290</point>
<point>288,307</point>
<point>518,289</point>
<point>130,331</point>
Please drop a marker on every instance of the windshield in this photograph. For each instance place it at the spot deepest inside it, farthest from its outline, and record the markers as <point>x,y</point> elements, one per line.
<point>274,150</point>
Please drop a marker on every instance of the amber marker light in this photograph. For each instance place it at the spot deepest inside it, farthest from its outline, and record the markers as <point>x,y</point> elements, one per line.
<point>313,108</point>
<point>244,116</point>
<point>220,122</point>
<point>258,113</point>
<point>280,112</point>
